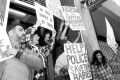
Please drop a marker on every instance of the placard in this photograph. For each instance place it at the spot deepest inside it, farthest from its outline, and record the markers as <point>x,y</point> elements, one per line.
<point>45,15</point>
<point>73,17</point>
<point>56,9</point>
<point>4,39</point>
<point>79,68</point>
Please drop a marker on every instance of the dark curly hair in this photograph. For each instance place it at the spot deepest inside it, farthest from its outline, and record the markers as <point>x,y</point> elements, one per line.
<point>95,59</point>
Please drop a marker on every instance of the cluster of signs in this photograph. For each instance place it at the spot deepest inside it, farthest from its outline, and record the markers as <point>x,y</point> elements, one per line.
<point>70,14</point>
<point>79,68</point>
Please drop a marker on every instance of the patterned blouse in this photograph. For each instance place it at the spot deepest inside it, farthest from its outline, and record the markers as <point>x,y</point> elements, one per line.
<point>47,48</point>
<point>102,72</point>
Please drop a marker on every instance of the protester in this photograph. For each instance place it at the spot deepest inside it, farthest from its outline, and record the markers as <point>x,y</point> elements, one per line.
<point>100,68</point>
<point>33,47</point>
<point>46,48</point>
<point>61,62</point>
<point>19,67</point>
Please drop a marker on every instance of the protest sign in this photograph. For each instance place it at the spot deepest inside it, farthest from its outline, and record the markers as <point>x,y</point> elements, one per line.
<point>55,7</point>
<point>45,15</point>
<point>4,39</point>
<point>72,16</point>
<point>79,68</point>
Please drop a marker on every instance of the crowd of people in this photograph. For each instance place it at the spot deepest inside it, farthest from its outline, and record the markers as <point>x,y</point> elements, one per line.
<point>39,54</point>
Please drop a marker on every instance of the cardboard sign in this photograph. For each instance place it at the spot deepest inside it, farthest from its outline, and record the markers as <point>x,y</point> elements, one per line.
<point>79,68</point>
<point>72,16</point>
<point>45,15</point>
<point>110,37</point>
<point>56,9</point>
<point>4,39</point>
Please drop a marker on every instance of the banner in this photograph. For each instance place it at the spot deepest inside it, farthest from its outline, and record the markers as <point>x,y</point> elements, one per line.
<point>110,37</point>
<point>72,16</point>
<point>4,39</point>
<point>56,9</point>
<point>45,15</point>
<point>79,68</point>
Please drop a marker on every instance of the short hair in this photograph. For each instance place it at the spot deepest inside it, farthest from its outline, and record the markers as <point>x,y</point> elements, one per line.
<point>12,26</point>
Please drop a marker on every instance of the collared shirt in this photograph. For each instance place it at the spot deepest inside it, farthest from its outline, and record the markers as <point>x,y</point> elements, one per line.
<point>102,72</point>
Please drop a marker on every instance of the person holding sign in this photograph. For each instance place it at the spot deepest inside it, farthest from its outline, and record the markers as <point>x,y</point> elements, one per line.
<point>46,48</point>
<point>19,67</point>
<point>61,64</point>
<point>100,68</point>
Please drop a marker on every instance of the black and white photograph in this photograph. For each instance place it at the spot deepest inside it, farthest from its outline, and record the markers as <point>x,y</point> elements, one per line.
<point>59,39</point>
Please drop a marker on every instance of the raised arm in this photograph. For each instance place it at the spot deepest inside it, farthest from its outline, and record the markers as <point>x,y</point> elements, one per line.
<point>64,32</point>
<point>60,30</point>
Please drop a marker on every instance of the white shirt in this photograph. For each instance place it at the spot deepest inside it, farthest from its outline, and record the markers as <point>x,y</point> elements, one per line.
<point>61,62</point>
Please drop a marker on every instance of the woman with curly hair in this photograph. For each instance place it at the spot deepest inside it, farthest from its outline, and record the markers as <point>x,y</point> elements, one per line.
<point>100,68</point>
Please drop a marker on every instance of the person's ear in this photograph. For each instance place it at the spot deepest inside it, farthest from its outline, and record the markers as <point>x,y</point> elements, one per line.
<point>11,33</point>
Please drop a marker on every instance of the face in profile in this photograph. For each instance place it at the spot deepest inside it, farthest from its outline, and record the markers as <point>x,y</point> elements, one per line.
<point>36,39</point>
<point>20,33</point>
<point>99,57</point>
<point>47,38</point>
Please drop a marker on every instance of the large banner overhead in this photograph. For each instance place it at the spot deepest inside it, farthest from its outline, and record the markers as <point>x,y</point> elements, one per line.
<point>45,15</point>
<point>4,39</point>
<point>73,17</point>
<point>55,7</point>
<point>110,37</point>
<point>79,68</point>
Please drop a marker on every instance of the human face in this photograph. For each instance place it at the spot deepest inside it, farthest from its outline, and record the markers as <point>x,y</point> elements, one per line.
<point>47,38</point>
<point>20,34</point>
<point>35,39</point>
<point>99,56</point>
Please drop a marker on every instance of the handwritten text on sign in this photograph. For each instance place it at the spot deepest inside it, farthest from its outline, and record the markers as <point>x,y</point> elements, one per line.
<point>72,15</point>
<point>45,15</point>
<point>79,68</point>
<point>56,9</point>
